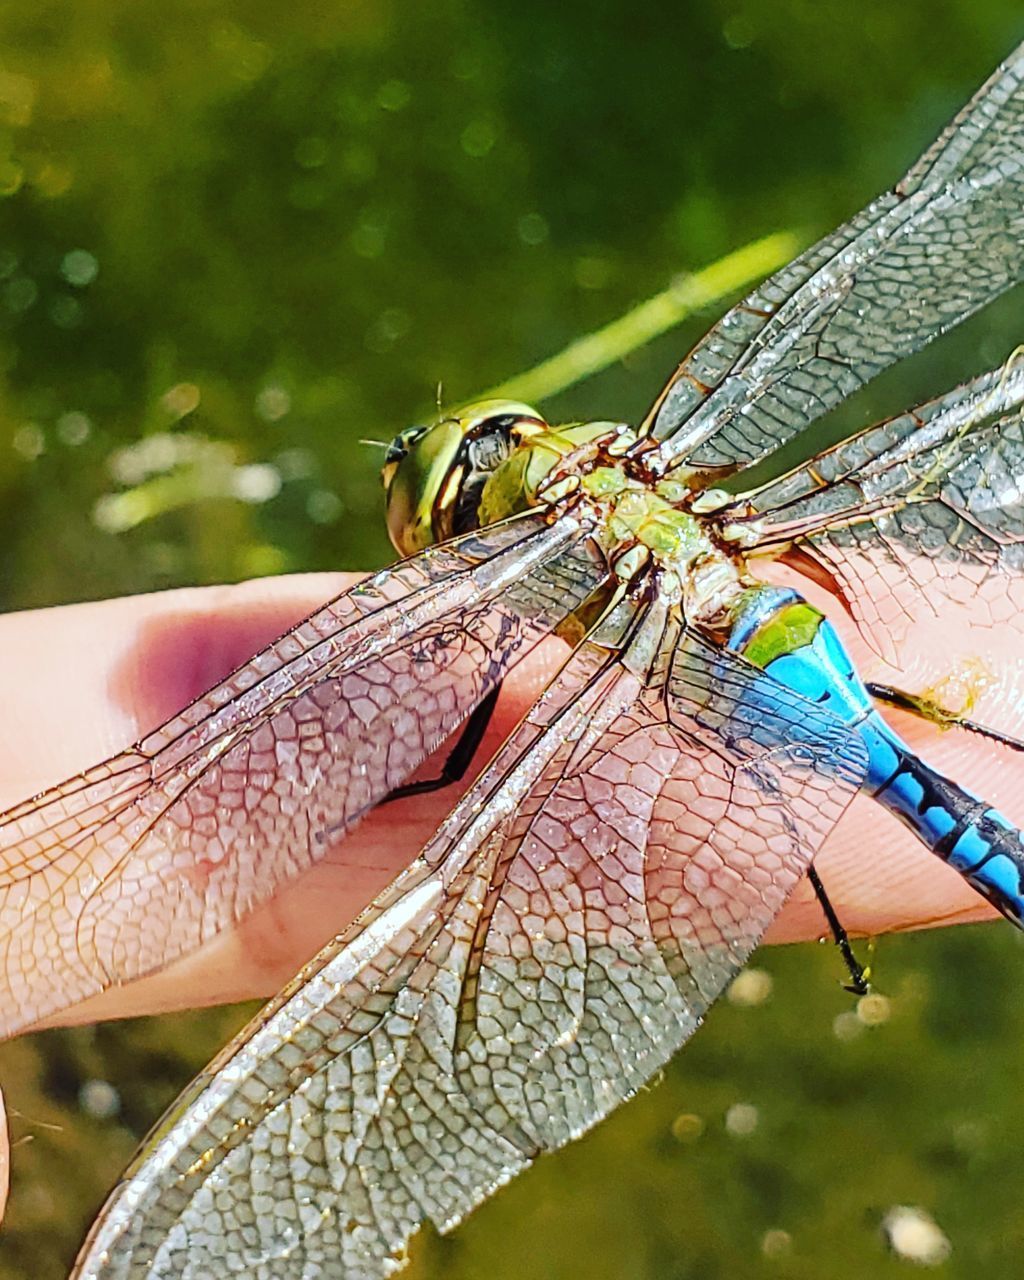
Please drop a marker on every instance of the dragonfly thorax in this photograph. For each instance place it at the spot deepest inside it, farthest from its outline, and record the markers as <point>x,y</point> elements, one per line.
<point>644,524</point>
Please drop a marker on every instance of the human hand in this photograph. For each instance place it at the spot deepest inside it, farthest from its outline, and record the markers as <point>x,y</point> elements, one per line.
<point>80,682</point>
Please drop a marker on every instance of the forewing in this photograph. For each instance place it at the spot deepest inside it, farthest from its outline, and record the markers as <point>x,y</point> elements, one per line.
<point>915,262</point>
<point>917,516</point>
<point>115,873</point>
<point>561,936</point>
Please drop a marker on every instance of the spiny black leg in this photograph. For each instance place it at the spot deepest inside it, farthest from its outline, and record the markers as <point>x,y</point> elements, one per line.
<point>929,710</point>
<point>859,984</point>
<point>461,755</point>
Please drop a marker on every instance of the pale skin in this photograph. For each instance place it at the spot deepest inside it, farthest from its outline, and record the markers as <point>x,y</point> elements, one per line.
<point>80,682</point>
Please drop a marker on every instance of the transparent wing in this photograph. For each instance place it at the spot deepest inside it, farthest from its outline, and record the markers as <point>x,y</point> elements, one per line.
<point>917,514</point>
<point>945,241</point>
<point>116,872</point>
<point>560,937</point>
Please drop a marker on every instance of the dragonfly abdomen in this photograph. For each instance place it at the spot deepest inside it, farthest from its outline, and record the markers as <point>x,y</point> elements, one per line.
<point>777,630</point>
<point>975,839</point>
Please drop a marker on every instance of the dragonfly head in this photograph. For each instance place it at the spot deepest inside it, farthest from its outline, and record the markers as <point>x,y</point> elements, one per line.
<point>433,475</point>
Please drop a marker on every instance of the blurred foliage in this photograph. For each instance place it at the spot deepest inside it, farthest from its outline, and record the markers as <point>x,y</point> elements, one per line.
<point>237,237</point>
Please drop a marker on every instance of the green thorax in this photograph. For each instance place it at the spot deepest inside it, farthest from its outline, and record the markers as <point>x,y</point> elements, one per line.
<point>558,462</point>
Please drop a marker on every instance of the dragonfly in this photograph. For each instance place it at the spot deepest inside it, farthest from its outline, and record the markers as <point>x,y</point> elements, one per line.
<point>611,869</point>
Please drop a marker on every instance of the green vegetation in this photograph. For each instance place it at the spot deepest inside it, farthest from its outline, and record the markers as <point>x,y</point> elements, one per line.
<point>236,237</point>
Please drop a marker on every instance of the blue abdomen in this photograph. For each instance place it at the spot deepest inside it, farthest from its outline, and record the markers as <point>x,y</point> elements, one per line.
<point>778,631</point>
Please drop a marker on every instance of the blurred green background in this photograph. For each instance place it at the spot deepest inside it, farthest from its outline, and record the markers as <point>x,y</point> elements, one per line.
<point>251,233</point>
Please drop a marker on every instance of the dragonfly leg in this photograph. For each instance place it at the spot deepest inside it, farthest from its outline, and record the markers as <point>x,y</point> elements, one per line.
<point>858,984</point>
<point>929,710</point>
<point>461,755</point>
